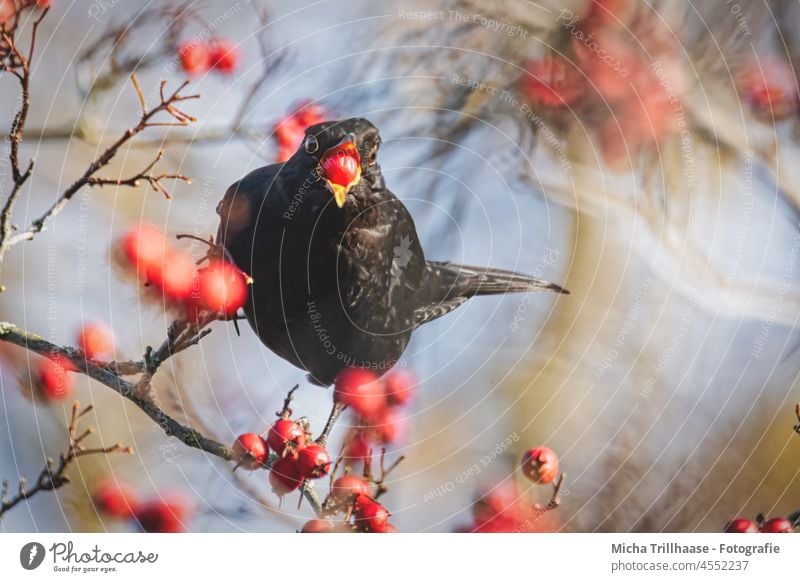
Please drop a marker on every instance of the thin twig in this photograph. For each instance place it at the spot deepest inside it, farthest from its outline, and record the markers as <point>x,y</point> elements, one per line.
<point>167,105</point>
<point>53,474</point>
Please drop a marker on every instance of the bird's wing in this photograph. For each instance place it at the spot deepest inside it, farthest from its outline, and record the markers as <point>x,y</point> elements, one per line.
<point>243,203</point>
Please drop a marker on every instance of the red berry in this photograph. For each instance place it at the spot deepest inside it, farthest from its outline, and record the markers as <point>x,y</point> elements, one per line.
<point>359,389</point>
<point>290,131</point>
<point>540,465</point>
<point>250,450</point>
<point>777,525</point>
<point>551,82</point>
<point>388,428</point>
<point>347,487</point>
<point>162,515</point>
<point>313,461</point>
<point>357,446</point>
<point>342,165</point>
<point>222,287</point>
<point>740,525</point>
<point>285,431</point>
<point>399,387</point>
<point>195,58</point>
<point>175,276</point>
<point>284,476</point>
<point>361,500</point>
<point>96,341</point>
<point>7,11</point>
<point>115,499</point>
<point>224,55</point>
<point>317,526</point>
<point>144,247</point>
<point>373,517</point>
<point>53,381</point>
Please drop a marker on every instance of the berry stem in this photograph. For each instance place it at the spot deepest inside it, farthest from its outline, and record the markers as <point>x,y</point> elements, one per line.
<point>336,411</point>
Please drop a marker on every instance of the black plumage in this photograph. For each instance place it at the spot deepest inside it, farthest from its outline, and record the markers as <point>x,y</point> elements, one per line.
<point>340,286</point>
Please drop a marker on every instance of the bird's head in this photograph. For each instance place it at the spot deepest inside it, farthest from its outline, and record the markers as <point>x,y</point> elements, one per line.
<point>345,152</point>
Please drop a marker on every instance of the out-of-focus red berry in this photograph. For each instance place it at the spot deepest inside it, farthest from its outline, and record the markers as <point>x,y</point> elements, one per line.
<point>540,465</point>
<point>96,341</point>
<point>357,446</point>
<point>388,427</point>
<point>740,525</point>
<point>317,526</point>
<point>347,487</point>
<point>290,131</point>
<point>777,525</point>
<point>359,389</point>
<point>313,461</point>
<point>52,380</point>
<point>769,86</point>
<point>7,11</point>
<point>175,276</point>
<point>195,57</point>
<point>398,385</point>
<point>373,517</point>
<point>224,55</point>
<point>166,515</point>
<point>250,450</point>
<point>115,498</point>
<point>285,431</point>
<point>145,248</point>
<point>222,287</point>
<point>284,476</point>
<point>551,81</point>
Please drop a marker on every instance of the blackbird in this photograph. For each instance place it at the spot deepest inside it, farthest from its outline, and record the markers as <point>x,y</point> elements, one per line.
<point>339,276</point>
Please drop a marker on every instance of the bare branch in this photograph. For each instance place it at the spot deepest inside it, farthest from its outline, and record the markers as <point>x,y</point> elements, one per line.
<point>168,105</point>
<point>53,475</point>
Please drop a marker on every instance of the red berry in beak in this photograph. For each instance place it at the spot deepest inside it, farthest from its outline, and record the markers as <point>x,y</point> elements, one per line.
<point>341,168</point>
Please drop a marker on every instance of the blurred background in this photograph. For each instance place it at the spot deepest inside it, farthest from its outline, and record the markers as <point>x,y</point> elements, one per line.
<point>643,154</point>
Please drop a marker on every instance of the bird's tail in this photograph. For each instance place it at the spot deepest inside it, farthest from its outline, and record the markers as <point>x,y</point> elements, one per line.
<point>466,281</point>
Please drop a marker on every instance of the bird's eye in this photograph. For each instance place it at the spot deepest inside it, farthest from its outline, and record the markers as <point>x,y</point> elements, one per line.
<point>311,144</point>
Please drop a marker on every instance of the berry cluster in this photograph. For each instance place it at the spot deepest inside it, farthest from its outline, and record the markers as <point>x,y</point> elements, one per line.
<point>505,508</point>
<point>295,457</point>
<point>219,287</point>
<point>376,403</point>
<point>198,58</point>
<point>772,525</point>
<point>288,450</point>
<point>163,514</point>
